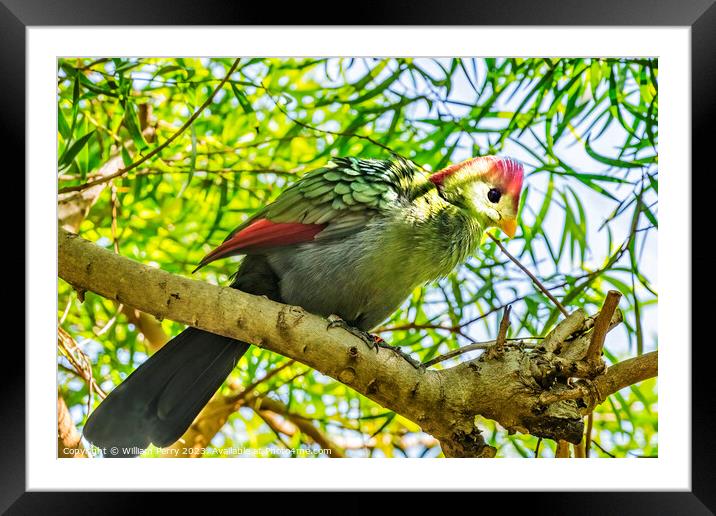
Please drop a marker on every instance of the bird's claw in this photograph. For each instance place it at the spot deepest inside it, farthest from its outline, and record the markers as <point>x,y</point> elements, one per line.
<point>372,341</point>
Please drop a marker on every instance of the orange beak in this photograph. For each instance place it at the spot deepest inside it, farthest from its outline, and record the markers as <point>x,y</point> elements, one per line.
<point>509,226</point>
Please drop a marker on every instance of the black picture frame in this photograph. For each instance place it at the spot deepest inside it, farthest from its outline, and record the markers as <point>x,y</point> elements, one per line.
<point>700,15</point>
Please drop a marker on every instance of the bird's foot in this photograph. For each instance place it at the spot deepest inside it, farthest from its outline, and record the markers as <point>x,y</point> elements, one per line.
<point>371,340</point>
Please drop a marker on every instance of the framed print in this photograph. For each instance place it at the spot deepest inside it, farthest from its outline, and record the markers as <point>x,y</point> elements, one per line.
<point>435,250</point>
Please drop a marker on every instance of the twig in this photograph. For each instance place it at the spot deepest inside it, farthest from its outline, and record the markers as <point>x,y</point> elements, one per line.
<point>539,441</point>
<point>78,360</point>
<point>603,450</point>
<point>601,327</point>
<point>326,131</point>
<point>277,424</point>
<point>626,373</point>
<point>473,347</point>
<point>588,434</point>
<point>504,325</point>
<point>248,390</point>
<point>156,171</point>
<point>457,330</point>
<point>611,261</point>
<point>305,425</point>
<point>291,379</point>
<point>534,279</point>
<point>109,323</point>
<point>113,199</point>
<point>520,298</point>
<point>159,148</point>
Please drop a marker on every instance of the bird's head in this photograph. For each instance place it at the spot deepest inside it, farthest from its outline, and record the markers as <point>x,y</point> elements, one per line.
<point>487,187</point>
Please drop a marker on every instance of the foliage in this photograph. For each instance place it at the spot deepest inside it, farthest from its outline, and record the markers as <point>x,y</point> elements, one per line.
<point>586,130</point>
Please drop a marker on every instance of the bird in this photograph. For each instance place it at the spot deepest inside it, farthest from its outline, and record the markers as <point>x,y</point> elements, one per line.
<point>349,241</point>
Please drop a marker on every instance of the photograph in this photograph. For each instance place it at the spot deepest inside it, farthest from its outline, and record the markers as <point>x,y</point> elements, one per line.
<point>357,257</point>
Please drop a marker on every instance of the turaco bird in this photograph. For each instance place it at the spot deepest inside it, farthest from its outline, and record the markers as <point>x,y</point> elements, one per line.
<point>350,240</point>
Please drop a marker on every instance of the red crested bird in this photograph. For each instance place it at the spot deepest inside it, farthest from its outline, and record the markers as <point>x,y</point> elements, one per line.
<point>351,239</point>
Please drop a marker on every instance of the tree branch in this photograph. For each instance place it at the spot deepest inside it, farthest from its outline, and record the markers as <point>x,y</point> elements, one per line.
<point>601,327</point>
<point>444,403</point>
<point>69,440</point>
<point>154,334</point>
<point>534,279</point>
<point>264,404</point>
<point>626,373</point>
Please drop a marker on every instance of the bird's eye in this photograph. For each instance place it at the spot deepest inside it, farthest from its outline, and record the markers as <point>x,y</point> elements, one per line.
<point>494,195</point>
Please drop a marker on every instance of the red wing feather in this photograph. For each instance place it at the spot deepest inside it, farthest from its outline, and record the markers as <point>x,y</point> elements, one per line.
<point>263,234</point>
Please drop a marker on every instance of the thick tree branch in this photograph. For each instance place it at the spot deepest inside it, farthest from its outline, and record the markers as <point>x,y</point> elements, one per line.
<point>444,403</point>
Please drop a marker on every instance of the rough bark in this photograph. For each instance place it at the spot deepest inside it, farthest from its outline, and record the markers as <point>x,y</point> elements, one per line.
<point>523,390</point>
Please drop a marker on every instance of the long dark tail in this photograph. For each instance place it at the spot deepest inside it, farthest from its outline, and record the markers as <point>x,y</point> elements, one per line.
<point>159,400</point>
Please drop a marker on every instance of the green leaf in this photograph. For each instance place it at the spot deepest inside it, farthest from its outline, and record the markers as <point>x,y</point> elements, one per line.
<point>131,123</point>
<point>612,161</point>
<point>243,100</point>
<point>69,155</point>
<point>192,160</point>
<point>378,89</point>
<point>75,107</point>
<point>126,158</point>
<point>649,215</point>
<point>62,126</point>
<point>544,209</point>
<point>127,65</point>
<point>363,81</point>
<point>595,77</point>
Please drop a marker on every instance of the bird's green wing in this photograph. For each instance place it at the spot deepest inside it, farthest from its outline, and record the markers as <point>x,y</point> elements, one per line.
<point>331,202</point>
<point>345,195</point>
